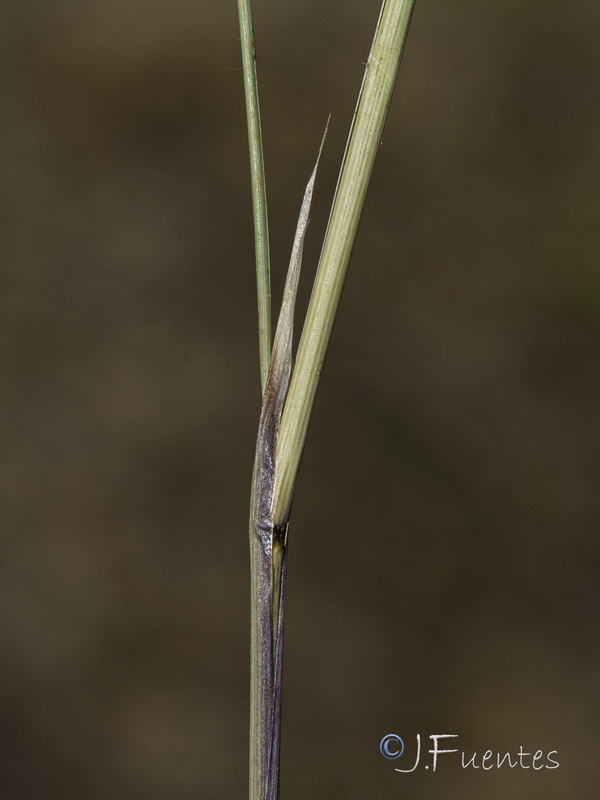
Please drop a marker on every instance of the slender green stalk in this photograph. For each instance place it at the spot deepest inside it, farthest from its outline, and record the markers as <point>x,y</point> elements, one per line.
<point>259,191</point>
<point>268,545</point>
<point>287,405</point>
<point>363,143</point>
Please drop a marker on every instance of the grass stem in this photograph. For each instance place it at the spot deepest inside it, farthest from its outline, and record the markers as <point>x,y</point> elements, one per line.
<point>361,150</point>
<point>259,191</point>
<point>268,543</point>
<point>288,394</point>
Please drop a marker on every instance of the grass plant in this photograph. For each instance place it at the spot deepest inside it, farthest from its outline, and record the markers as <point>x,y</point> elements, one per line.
<point>289,392</point>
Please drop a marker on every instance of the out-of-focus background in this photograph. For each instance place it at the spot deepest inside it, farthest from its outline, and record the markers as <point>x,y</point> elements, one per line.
<point>443,573</point>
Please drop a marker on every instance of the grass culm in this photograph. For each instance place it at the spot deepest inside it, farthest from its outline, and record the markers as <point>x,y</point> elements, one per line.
<point>289,389</point>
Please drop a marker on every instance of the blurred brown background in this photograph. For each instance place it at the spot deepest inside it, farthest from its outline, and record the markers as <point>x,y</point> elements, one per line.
<point>444,555</point>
